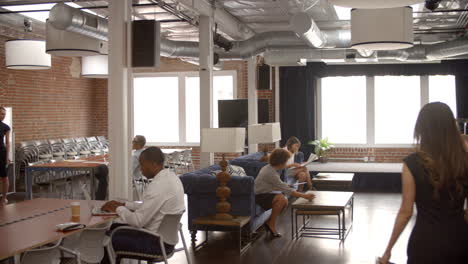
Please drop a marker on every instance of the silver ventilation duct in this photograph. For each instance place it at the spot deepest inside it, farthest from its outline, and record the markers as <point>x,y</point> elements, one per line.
<point>447,49</point>
<point>65,17</point>
<point>305,28</point>
<point>283,46</point>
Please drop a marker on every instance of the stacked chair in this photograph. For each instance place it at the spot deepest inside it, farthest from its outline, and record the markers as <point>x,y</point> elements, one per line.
<point>35,152</point>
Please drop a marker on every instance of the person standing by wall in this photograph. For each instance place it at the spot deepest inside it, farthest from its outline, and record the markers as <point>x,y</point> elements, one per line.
<point>4,153</point>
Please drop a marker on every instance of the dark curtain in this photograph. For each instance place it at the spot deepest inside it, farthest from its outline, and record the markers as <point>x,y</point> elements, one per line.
<point>462,95</point>
<point>297,106</point>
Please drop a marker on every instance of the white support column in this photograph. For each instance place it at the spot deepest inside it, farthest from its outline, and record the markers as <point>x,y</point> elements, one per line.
<point>206,81</point>
<point>120,99</point>
<point>424,90</point>
<point>370,110</point>
<point>252,96</point>
<point>277,99</point>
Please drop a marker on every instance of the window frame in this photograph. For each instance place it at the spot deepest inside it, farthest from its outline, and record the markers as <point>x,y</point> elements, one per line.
<point>182,107</point>
<point>370,113</point>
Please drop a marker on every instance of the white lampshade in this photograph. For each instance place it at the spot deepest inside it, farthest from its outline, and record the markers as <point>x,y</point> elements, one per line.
<point>94,66</point>
<point>26,54</point>
<point>264,133</point>
<point>382,29</point>
<point>374,4</point>
<point>228,139</point>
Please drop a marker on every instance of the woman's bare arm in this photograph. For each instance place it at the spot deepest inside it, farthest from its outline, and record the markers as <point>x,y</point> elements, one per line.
<point>405,212</point>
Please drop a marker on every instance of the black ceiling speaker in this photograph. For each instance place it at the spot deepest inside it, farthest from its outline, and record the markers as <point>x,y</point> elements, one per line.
<point>146,43</point>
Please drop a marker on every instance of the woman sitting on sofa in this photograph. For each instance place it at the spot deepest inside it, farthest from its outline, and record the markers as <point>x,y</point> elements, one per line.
<point>269,188</point>
<point>295,170</point>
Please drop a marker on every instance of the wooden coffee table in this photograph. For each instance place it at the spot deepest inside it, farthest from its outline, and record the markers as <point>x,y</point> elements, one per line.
<point>328,181</point>
<point>324,203</point>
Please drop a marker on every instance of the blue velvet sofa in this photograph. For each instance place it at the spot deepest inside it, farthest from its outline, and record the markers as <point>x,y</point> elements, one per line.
<point>200,187</point>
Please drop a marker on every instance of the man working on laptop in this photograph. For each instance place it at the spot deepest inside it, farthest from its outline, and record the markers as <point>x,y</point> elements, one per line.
<point>163,196</point>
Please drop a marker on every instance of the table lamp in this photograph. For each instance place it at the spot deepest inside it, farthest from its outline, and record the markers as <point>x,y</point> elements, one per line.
<point>264,133</point>
<point>223,140</point>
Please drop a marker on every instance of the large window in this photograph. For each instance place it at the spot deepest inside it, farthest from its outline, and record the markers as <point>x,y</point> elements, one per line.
<point>442,89</point>
<point>380,110</point>
<point>223,88</point>
<point>397,104</point>
<point>156,104</point>
<point>344,109</point>
<point>176,97</point>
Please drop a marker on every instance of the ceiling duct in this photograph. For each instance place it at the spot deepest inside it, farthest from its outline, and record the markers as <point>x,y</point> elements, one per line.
<point>65,17</point>
<point>65,43</point>
<point>447,49</point>
<point>305,28</point>
<point>374,4</point>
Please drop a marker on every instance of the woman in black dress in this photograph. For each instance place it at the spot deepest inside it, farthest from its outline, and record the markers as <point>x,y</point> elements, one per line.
<point>4,151</point>
<point>436,178</point>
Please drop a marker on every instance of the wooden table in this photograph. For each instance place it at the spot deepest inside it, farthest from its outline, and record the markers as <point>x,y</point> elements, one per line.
<point>87,165</point>
<point>32,223</point>
<point>333,181</point>
<point>324,203</point>
<point>237,223</point>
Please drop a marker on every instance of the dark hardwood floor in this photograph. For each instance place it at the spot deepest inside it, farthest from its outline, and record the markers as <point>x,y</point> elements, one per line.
<point>374,214</point>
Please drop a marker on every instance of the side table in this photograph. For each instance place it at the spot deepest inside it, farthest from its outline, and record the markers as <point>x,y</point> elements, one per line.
<point>237,224</point>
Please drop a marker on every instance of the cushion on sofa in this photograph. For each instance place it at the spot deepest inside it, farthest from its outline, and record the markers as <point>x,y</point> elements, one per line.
<point>233,170</point>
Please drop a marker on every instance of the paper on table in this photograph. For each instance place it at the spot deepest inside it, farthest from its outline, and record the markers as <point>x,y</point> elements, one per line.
<point>74,160</point>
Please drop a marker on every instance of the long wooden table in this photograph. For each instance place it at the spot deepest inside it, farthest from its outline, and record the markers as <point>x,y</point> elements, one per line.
<point>32,223</point>
<point>87,165</point>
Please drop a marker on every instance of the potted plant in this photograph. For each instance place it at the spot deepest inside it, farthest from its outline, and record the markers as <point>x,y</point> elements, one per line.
<point>321,148</point>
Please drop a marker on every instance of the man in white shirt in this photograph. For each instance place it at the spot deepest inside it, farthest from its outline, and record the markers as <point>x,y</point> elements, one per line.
<point>163,196</point>
<point>138,144</point>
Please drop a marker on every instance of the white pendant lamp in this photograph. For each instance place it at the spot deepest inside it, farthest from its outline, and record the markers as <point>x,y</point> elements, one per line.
<point>94,66</point>
<point>382,29</point>
<point>374,4</point>
<point>26,54</point>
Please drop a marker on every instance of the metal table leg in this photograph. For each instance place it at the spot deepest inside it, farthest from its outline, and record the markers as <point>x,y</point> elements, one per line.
<point>28,175</point>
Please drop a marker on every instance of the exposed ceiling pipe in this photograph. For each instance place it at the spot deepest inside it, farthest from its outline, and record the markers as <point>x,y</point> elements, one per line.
<point>447,49</point>
<point>65,17</point>
<point>227,23</point>
<point>286,43</point>
<point>305,28</point>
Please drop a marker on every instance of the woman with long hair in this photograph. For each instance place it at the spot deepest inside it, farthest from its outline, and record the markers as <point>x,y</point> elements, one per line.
<point>435,177</point>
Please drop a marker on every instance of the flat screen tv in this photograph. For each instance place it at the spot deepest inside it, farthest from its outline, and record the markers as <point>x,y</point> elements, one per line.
<point>234,113</point>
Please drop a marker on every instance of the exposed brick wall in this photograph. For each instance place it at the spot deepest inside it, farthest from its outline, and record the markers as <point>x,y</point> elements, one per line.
<point>373,154</point>
<point>51,103</point>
